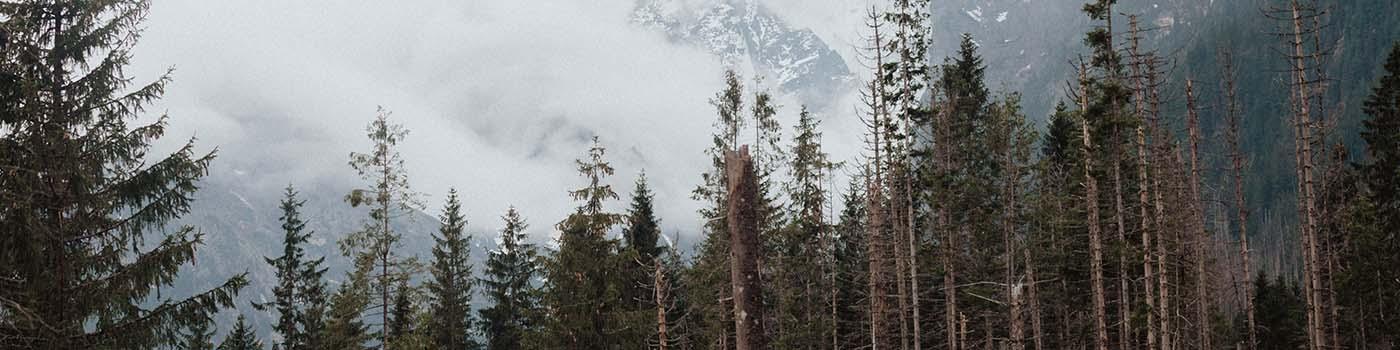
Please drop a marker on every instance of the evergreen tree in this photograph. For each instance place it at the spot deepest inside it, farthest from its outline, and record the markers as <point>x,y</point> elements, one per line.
<point>1367,289</point>
<point>343,328</point>
<point>451,287</point>
<point>509,281</point>
<point>1279,313</point>
<point>373,248</point>
<point>241,337</point>
<point>852,269</point>
<point>708,278</point>
<point>643,230</point>
<point>197,336</point>
<point>582,278</point>
<point>637,260</point>
<point>802,286</point>
<point>314,312</point>
<point>299,288</point>
<point>403,316</point>
<point>83,209</point>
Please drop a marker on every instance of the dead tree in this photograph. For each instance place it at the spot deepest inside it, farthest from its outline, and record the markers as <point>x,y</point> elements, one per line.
<point>1197,225</point>
<point>1232,113</point>
<point>1301,95</point>
<point>661,289</point>
<point>1091,189</point>
<point>1140,96</point>
<point>745,250</point>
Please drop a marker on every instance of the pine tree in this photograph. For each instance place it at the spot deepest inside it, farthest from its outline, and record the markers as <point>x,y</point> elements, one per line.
<point>509,282</point>
<point>852,322</point>
<point>405,329</point>
<point>298,298</point>
<point>708,278</point>
<point>581,290</point>
<point>451,287</point>
<point>1366,287</point>
<point>84,212</point>
<point>343,328</point>
<point>801,283</point>
<point>197,336</point>
<point>637,261</point>
<point>373,248</point>
<point>639,249</point>
<point>242,337</point>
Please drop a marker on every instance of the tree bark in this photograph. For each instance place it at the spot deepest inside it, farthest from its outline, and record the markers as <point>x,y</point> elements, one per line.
<point>1198,221</point>
<point>744,251</point>
<point>1091,188</point>
<point>1241,211</point>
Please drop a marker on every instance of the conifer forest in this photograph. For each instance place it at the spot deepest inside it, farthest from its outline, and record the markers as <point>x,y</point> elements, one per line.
<point>1178,174</point>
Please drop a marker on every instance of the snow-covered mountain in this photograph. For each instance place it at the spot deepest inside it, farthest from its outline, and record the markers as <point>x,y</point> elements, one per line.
<point>748,36</point>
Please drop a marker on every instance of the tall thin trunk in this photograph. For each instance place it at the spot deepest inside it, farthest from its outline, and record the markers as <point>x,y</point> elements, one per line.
<point>1164,304</point>
<point>1303,139</point>
<point>1140,97</point>
<point>1034,301</point>
<point>1008,234</point>
<point>1198,221</point>
<point>660,289</point>
<point>1091,202</point>
<point>1241,211</point>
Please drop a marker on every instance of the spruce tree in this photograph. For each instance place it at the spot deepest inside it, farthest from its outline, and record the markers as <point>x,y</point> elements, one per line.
<point>451,287</point>
<point>298,295</point>
<point>242,337</point>
<point>343,328</point>
<point>509,281</point>
<point>708,278</point>
<point>582,278</point>
<point>389,197</point>
<point>197,336</point>
<point>852,269</point>
<point>84,203</point>
<point>643,229</point>
<point>802,283</point>
<point>1367,288</point>
<point>637,263</point>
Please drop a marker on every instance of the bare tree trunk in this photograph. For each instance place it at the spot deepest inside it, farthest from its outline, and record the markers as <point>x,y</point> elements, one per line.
<point>1031,288</point>
<point>1303,139</point>
<point>1164,304</point>
<point>1198,222</point>
<point>1091,202</point>
<point>1139,99</point>
<point>660,291</point>
<point>744,251</point>
<point>1013,293</point>
<point>1241,211</point>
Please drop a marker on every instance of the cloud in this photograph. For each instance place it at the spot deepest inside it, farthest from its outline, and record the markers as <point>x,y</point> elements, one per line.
<point>500,96</point>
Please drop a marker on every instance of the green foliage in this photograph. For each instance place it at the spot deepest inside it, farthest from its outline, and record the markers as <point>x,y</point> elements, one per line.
<point>374,247</point>
<point>197,336</point>
<point>1367,289</point>
<point>344,330</point>
<point>582,289</point>
<point>509,282</point>
<point>299,298</point>
<point>241,337</point>
<point>1279,318</point>
<point>803,276</point>
<point>450,290</point>
<point>852,269</point>
<point>84,205</point>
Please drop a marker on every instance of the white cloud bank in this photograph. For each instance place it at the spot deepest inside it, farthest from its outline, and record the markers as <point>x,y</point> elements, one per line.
<point>500,96</point>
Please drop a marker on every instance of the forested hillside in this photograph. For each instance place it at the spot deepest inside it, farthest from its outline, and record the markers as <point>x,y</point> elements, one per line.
<point>1181,175</point>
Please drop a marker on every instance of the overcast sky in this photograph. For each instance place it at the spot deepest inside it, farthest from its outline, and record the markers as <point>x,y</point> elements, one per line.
<point>500,96</point>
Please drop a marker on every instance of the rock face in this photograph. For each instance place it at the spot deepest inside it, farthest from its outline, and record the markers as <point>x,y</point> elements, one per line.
<point>749,37</point>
